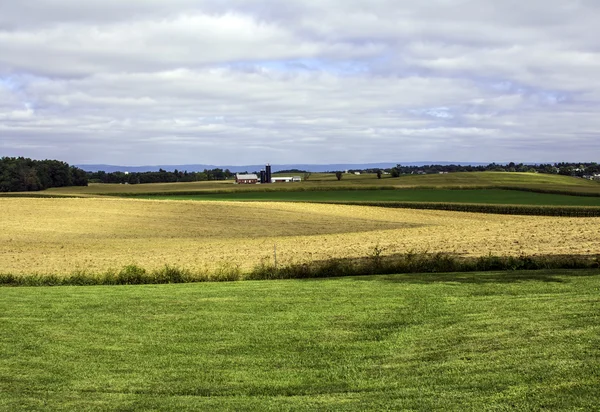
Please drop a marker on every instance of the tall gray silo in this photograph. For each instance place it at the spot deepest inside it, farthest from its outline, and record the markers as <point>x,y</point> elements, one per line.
<point>268,173</point>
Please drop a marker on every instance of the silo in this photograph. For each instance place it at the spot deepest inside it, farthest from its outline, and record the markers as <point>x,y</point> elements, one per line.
<point>263,176</point>
<point>268,173</point>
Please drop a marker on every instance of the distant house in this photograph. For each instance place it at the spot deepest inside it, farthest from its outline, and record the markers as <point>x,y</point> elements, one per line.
<point>286,179</point>
<point>246,179</point>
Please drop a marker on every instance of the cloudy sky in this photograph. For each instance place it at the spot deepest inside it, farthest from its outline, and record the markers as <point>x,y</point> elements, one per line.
<point>238,82</point>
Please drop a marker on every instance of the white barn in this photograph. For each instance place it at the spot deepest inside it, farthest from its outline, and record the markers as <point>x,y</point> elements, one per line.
<point>286,179</point>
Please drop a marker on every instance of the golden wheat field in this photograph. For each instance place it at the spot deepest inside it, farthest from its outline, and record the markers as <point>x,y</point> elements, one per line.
<point>60,236</point>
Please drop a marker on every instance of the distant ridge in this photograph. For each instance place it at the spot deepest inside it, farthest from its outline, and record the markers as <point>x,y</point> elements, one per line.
<point>254,168</point>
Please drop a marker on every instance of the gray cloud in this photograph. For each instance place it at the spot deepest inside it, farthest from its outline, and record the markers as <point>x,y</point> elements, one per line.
<point>249,81</point>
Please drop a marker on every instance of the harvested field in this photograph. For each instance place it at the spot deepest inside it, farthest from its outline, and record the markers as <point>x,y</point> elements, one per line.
<point>59,236</point>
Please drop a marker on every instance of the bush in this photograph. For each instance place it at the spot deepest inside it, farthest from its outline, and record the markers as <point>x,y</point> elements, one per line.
<point>171,274</point>
<point>131,275</point>
<point>226,272</point>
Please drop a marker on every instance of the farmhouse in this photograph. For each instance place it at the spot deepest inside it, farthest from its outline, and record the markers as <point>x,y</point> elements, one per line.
<point>286,179</point>
<point>248,179</point>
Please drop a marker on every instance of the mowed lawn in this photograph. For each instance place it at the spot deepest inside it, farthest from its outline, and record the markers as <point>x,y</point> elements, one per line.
<point>488,341</point>
<point>488,196</point>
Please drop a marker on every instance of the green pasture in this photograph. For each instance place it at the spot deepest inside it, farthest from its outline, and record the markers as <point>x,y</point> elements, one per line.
<point>487,196</point>
<point>505,179</point>
<point>477,341</point>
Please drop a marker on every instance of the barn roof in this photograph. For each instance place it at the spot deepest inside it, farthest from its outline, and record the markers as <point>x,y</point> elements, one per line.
<point>248,176</point>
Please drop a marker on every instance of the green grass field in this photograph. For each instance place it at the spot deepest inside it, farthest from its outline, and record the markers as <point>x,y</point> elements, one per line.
<point>488,196</point>
<point>506,179</point>
<point>483,341</point>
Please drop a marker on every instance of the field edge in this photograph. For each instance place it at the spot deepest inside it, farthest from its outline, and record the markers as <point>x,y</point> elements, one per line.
<point>376,264</point>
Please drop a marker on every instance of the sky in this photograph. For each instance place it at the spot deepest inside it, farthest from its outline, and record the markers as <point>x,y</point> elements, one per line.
<point>235,82</point>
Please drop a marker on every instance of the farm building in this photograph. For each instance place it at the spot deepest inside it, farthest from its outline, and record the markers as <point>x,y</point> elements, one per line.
<point>265,177</point>
<point>248,179</point>
<point>286,179</point>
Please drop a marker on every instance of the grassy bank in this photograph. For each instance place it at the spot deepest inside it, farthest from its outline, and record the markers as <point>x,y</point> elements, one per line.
<point>478,341</point>
<point>374,264</point>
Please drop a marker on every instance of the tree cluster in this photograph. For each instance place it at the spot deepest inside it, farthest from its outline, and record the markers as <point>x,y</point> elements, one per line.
<point>567,169</point>
<point>162,176</point>
<point>19,174</point>
<point>293,171</point>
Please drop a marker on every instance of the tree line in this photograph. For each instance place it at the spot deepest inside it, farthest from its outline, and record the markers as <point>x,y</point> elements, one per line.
<point>162,176</point>
<point>20,174</point>
<point>563,168</point>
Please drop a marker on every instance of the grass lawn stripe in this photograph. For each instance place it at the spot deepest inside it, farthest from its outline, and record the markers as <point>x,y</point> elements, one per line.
<point>422,342</point>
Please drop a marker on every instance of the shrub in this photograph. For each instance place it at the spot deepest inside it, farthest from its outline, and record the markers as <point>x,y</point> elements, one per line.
<point>171,274</point>
<point>131,275</point>
<point>410,262</point>
<point>226,272</point>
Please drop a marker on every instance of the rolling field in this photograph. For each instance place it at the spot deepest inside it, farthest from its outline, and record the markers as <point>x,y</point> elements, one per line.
<point>495,340</point>
<point>484,341</point>
<point>503,179</point>
<point>484,196</point>
<point>62,236</point>
<point>324,181</point>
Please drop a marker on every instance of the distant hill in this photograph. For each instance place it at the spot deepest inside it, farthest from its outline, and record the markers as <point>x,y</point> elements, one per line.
<point>275,167</point>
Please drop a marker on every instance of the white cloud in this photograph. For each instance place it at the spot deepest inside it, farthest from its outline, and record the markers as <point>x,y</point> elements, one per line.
<point>247,81</point>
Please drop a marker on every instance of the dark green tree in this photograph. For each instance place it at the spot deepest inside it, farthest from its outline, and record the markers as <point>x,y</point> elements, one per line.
<point>23,174</point>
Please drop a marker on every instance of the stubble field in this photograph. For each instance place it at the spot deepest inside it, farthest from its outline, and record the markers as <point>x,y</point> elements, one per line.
<point>60,236</point>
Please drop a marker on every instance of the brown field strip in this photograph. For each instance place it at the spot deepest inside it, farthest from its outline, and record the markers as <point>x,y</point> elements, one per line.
<point>59,236</point>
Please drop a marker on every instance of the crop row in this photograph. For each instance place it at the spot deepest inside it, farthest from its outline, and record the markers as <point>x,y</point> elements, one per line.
<point>550,191</point>
<point>531,210</point>
<point>297,188</point>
